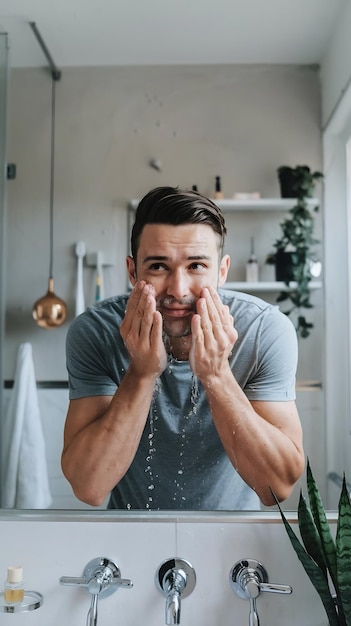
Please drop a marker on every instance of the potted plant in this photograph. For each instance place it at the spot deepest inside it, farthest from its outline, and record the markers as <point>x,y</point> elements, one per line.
<point>294,255</point>
<point>326,562</point>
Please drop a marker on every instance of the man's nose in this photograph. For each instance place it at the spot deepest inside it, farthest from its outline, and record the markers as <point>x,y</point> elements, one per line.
<point>178,284</point>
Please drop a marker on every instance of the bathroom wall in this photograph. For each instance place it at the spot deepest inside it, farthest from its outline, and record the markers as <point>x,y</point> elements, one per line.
<point>240,122</point>
<point>63,546</point>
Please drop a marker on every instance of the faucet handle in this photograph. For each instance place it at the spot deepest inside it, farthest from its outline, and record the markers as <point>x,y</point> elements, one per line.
<point>248,578</point>
<point>101,577</point>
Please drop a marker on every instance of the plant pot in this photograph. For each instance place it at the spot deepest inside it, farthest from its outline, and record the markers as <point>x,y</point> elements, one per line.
<point>287,182</point>
<point>284,267</point>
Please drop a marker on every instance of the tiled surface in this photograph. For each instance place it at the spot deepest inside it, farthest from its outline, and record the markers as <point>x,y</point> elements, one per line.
<point>50,549</point>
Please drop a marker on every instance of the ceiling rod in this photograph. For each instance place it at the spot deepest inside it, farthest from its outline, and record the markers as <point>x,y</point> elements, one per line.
<point>55,72</point>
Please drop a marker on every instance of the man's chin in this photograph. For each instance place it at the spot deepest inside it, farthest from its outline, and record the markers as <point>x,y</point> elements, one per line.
<point>176,329</point>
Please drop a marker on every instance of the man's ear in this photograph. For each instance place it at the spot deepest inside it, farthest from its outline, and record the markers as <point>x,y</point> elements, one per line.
<point>223,270</point>
<point>131,270</point>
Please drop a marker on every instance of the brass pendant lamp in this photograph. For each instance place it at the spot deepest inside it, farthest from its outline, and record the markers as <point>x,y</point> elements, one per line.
<point>50,311</point>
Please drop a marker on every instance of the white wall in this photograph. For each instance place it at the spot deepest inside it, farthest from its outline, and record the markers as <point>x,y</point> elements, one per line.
<point>235,121</point>
<point>335,67</point>
<point>336,105</point>
<point>51,549</point>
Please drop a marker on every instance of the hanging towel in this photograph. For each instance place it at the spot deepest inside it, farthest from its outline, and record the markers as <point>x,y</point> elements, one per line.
<point>25,473</point>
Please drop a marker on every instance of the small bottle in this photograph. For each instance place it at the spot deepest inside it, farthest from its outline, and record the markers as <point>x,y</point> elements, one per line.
<point>194,188</point>
<point>252,265</point>
<point>218,194</point>
<point>14,586</point>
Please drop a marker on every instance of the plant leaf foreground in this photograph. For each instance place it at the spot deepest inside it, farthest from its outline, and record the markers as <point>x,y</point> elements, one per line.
<point>326,562</point>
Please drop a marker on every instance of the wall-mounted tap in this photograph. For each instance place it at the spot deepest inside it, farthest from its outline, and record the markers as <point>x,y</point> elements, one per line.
<point>175,579</point>
<point>101,577</point>
<point>248,578</point>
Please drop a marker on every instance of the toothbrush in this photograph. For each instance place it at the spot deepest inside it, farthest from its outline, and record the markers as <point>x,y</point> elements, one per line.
<point>99,292</point>
<point>80,254</point>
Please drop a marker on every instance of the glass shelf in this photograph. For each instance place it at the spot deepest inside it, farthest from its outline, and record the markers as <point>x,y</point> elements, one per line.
<point>261,204</point>
<point>32,600</point>
<point>268,286</point>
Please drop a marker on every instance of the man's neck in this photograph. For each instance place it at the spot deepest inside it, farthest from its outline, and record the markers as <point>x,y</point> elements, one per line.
<point>179,347</point>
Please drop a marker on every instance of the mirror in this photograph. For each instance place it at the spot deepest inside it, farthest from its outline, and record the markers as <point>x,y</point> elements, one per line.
<point>238,121</point>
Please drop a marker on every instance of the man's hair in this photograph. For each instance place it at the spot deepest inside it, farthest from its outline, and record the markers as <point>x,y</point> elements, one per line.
<point>174,206</point>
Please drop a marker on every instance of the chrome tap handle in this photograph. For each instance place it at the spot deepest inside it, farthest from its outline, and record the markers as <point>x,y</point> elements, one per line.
<point>248,578</point>
<point>101,577</point>
<point>273,588</point>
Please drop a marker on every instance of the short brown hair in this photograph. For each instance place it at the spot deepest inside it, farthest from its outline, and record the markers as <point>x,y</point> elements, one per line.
<point>174,206</point>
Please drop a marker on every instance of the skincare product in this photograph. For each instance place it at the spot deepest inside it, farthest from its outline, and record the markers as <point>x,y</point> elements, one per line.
<point>218,194</point>
<point>14,587</point>
<point>252,265</point>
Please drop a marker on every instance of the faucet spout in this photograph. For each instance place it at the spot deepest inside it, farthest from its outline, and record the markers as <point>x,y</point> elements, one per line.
<point>175,579</point>
<point>93,611</point>
<point>173,608</point>
<point>174,584</point>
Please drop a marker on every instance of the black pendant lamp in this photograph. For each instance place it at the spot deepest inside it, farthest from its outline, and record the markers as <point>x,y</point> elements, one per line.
<point>50,311</point>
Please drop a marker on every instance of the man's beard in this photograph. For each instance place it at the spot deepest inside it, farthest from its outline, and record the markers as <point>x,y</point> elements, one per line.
<point>176,326</point>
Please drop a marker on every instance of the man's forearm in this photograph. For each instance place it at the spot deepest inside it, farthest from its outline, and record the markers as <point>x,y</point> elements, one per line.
<point>266,456</point>
<point>99,455</point>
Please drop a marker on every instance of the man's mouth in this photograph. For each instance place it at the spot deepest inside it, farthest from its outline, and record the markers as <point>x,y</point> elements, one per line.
<point>176,310</point>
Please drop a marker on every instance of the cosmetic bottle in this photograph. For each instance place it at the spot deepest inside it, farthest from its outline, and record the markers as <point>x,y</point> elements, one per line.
<point>218,194</point>
<point>252,265</point>
<point>14,586</point>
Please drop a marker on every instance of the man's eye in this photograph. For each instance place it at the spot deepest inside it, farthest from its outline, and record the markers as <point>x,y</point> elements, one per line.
<point>156,267</point>
<point>197,267</point>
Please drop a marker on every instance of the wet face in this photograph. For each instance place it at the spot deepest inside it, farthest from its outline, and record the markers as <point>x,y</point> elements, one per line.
<point>178,261</point>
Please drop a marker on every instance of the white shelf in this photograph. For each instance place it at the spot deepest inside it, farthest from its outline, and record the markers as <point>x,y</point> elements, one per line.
<point>268,286</point>
<point>263,204</point>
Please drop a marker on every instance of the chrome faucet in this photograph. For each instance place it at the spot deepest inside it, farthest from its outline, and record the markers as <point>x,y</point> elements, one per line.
<point>248,578</point>
<point>101,577</point>
<point>175,579</point>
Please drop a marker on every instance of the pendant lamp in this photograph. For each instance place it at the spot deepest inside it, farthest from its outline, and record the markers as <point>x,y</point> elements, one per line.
<point>50,311</point>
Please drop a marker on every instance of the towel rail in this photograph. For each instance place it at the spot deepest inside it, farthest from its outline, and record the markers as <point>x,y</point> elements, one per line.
<point>42,384</point>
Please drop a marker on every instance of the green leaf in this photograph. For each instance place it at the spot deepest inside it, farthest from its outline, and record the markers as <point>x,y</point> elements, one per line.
<point>313,571</point>
<point>310,536</point>
<point>321,522</point>
<point>343,552</point>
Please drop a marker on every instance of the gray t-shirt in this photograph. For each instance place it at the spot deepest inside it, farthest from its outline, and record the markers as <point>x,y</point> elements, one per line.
<point>180,463</point>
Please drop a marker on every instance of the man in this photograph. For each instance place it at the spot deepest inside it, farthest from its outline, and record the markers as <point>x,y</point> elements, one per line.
<point>181,393</point>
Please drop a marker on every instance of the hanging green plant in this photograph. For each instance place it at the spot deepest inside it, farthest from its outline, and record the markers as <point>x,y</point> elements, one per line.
<point>296,244</point>
<point>326,562</point>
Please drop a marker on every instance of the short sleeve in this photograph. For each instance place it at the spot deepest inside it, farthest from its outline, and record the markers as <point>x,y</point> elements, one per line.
<point>274,377</point>
<point>88,374</point>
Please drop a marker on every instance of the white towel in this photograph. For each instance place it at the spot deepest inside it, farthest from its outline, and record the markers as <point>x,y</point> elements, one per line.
<point>25,474</point>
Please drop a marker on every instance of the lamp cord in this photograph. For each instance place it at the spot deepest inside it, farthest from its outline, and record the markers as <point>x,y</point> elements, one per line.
<point>52,177</point>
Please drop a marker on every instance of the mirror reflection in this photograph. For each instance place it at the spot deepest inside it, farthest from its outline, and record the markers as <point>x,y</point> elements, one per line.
<point>196,122</point>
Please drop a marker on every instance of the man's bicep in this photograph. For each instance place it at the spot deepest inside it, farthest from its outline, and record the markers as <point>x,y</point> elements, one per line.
<point>282,415</point>
<point>81,413</point>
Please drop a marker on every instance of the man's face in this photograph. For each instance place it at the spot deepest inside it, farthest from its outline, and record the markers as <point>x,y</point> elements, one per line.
<point>178,261</point>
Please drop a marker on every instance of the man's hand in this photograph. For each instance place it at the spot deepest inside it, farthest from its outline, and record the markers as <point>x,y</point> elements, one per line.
<point>141,331</point>
<point>213,336</point>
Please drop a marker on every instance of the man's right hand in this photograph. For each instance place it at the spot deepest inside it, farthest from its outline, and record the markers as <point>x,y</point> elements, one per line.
<point>141,331</point>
